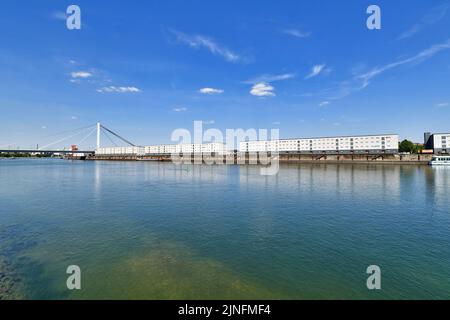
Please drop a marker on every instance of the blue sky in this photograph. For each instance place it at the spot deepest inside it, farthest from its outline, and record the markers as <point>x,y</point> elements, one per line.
<point>145,68</point>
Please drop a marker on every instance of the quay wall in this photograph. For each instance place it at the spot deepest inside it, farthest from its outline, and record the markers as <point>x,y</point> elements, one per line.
<point>245,158</point>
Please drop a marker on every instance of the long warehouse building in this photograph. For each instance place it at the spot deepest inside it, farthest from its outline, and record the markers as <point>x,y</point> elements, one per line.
<point>165,149</point>
<point>371,144</point>
<point>383,143</point>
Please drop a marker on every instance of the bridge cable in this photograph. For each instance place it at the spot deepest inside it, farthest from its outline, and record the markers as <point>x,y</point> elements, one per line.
<point>109,138</point>
<point>115,134</point>
<point>54,134</point>
<point>89,134</point>
<point>58,141</point>
<point>68,131</point>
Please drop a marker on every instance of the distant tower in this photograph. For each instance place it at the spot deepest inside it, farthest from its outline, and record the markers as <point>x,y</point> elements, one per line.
<point>426,138</point>
<point>98,135</point>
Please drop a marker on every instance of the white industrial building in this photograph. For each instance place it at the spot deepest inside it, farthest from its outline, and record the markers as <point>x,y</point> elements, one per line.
<point>120,151</point>
<point>439,142</point>
<point>218,148</point>
<point>165,149</point>
<point>384,143</point>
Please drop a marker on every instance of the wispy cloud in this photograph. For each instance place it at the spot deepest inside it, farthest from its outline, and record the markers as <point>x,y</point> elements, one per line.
<point>74,117</point>
<point>210,91</point>
<point>315,71</point>
<point>201,41</point>
<point>324,103</point>
<point>182,109</point>
<point>262,89</point>
<point>434,16</point>
<point>418,58</point>
<point>81,74</point>
<point>208,122</point>
<point>443,104</point>
<point>114,89</point>
<point>362,81</point>
<point>271,78</point>
<point>296,33</point>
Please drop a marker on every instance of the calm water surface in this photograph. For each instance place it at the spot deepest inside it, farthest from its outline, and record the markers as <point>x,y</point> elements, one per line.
<point>154,230</point>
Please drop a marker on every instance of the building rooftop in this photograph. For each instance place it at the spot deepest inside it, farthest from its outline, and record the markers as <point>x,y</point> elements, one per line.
<point>331,137</point>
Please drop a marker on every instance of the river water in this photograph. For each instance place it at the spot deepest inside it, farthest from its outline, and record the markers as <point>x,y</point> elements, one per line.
<point>149,230</point>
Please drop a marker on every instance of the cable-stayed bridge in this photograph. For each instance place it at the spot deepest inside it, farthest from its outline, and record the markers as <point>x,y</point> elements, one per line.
<point>71,140</point>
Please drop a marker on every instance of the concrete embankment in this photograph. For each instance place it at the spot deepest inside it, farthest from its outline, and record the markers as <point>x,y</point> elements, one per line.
<point>245,158</point>
<point>359,158</point>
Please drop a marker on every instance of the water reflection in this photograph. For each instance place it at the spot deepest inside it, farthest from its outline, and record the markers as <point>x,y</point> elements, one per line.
<point>225,231</point>
<point>359,181</point>
<point>438,185</point>
<point>184,173</point>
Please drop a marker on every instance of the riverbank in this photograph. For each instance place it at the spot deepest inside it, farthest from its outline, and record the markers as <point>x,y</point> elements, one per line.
<point>415,159</point>
<point>23,155</point>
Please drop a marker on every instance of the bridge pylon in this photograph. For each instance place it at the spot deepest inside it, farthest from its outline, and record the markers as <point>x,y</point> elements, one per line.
<point>99,126</point>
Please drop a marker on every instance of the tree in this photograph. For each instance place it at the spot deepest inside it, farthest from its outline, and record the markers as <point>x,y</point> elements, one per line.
<point>407,146</point>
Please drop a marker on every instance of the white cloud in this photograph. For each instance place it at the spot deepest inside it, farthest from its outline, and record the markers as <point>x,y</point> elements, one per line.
<point>443,104</point>
<point>271,78</point>
<point>434,16</point>
<point>210,91</point>
<point>182,109</point>
<point>324,103</point>
<point>81,74</point>
<point>315,71</point>
<point>262,89</point>
<point>74,118</point>
<point>209,121</point>
<point>200,41</point>
<point>113,89</point>
<point>296,33</point>
<point>44,127</point>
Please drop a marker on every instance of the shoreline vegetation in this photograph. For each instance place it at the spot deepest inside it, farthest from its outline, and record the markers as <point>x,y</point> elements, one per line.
<point>24,155</point>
